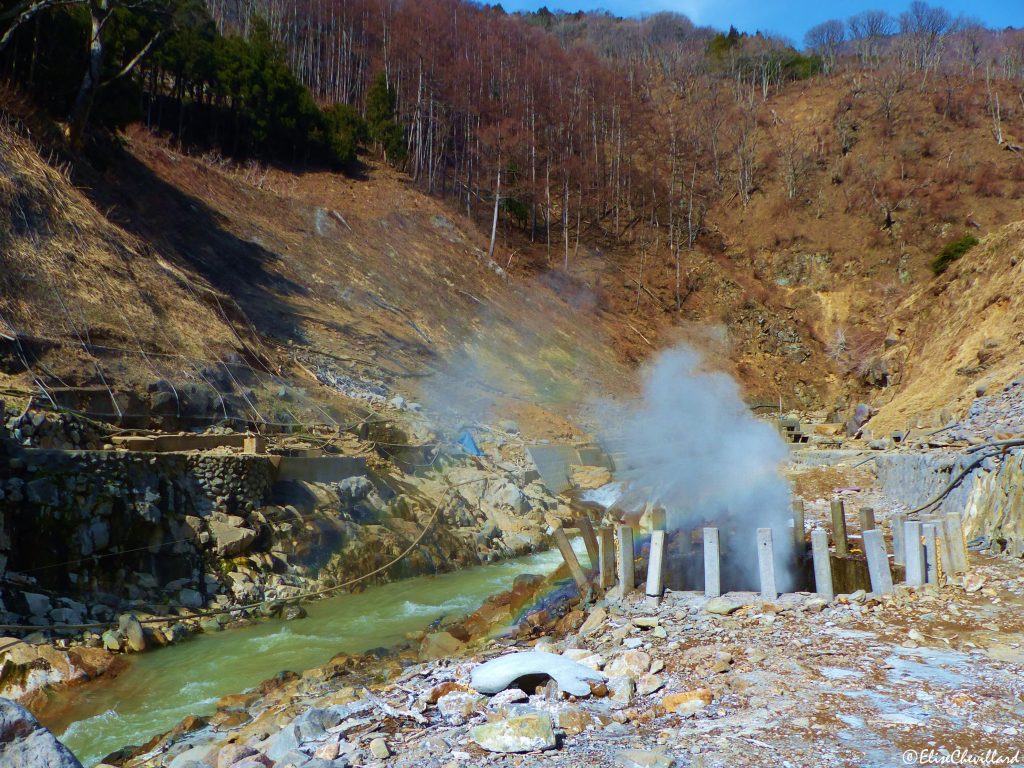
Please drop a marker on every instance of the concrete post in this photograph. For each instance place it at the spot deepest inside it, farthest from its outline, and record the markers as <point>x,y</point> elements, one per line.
<point>798,526</point>
<point>898,531</point>
<point>571,560</point>
<point>878,562</point>
<point>931,553</point>
<point>655,568</point>
<point>957,543</point>
<point>606,557</point>
<point>659,519</point>
<point>586,529</point>
<point>822,564</point>
<point>867,519</point>
<point>627,569</point>
<point>712,564</point>
<point>839,527</point>
<point>913,553</point>
<point>766,563</point>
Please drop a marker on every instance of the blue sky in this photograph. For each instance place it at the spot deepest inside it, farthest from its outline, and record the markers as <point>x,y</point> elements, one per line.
<point>790,18</point>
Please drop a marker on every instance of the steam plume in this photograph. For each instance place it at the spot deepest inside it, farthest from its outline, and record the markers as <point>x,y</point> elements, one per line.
<point>692,446</point>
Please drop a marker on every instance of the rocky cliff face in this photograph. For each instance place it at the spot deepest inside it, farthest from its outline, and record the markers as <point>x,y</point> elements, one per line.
<point>995,510</point>
<point>96,545</point>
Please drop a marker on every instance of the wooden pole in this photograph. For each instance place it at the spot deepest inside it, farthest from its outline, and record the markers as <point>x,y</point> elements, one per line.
<point>839,527</point>
<point>606,556</point>
<point>799,516</point>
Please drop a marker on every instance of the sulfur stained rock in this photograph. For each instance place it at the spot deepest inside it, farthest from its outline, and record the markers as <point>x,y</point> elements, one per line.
<point>438,645</point>
<point>688,702</point>
<point>379,749</point>
<point>523,733</point>
<point>595,621</point>
<point>632,663</point>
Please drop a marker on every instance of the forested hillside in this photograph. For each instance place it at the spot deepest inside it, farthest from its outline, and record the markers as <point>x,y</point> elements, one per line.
<point>791,194</point>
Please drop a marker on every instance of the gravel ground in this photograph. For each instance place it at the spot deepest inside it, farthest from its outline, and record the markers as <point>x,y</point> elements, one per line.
<point>902,679</point>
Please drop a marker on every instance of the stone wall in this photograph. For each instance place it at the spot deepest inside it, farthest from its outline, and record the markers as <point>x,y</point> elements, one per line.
<point>116,527</point>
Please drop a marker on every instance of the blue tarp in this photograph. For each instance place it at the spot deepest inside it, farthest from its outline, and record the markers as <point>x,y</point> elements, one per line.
<point>469,444</point>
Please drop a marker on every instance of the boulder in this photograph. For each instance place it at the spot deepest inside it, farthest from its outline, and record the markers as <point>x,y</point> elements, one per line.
<point>38,605</point>
<point>190,598</point>
<point>230,540</point>
<point>632,664</point>
<point>232,753</point>
<point>26,744</point>
<point>438,645</point>
<point>721,606</point>
<point>526,732</point>
<point>498,674</point>
<point>688,702</point>
<point>131,628</point>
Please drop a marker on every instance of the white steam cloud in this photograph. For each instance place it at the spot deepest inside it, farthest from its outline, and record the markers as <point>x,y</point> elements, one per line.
<point>691,446</point>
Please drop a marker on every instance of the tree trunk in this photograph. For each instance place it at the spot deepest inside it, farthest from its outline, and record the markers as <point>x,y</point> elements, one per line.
<point>494,221</point>
<point>98,11</point>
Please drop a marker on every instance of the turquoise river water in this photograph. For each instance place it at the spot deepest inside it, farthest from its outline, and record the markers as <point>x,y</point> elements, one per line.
<point>161,687</point>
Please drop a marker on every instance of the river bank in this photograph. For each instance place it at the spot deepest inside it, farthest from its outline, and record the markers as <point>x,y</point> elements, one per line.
<point>158,689</point>
<point>177,544</point>
<point>731,681</point>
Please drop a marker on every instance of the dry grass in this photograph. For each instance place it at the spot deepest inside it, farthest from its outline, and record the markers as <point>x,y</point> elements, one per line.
<point>67,271</point>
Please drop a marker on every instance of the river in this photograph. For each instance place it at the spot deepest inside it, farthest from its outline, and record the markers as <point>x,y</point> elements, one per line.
<point>161,687</point>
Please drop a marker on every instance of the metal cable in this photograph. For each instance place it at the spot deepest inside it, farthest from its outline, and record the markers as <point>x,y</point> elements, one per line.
<point>249,606</point>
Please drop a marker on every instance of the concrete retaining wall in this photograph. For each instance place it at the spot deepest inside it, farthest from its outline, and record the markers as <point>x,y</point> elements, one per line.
<point>990,498</point>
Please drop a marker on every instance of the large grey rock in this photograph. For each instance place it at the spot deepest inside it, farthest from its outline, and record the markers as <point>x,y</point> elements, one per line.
<point>526,732</point>
<point>190,598</point>
<point>230,539</point>
<point>38,605</point>
<point>498,674</point>
<point>132,630</point>
<point>24,743</point>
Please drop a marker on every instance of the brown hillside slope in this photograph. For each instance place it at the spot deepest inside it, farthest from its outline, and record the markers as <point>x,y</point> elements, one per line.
<point>369,280</point>
<point>963,331</point>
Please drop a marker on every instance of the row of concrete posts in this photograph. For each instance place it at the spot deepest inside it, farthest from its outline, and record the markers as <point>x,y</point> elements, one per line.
<point>616,563</point>
<point>930,550</point>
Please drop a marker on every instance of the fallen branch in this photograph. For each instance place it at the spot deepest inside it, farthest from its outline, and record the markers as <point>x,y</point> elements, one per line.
<point>633,328</point>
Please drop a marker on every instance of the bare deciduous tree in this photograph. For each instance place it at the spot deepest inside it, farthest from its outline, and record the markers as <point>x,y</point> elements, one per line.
<point>825,40</point>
